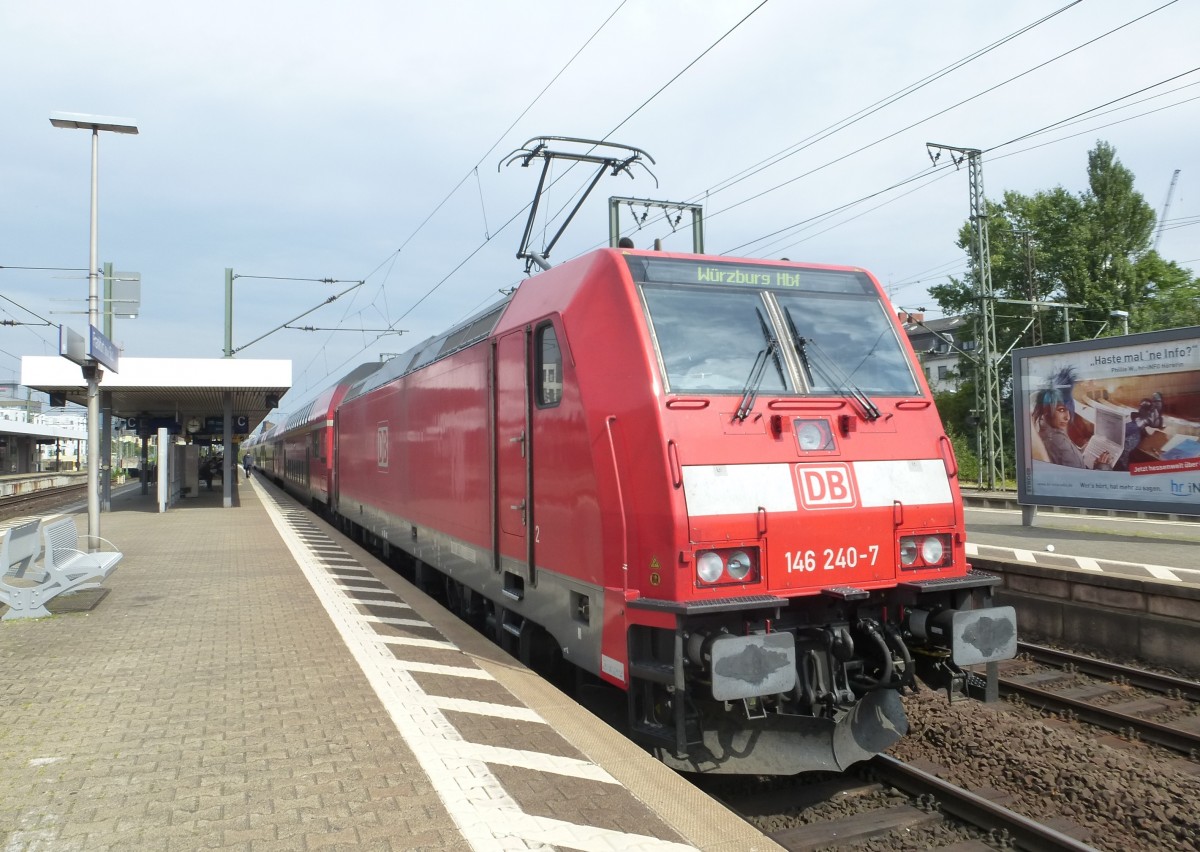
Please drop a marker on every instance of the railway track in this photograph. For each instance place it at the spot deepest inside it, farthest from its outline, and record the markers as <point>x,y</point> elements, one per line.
<point>895,804</point>
<point>1110,696</point>
<point>39,502</point>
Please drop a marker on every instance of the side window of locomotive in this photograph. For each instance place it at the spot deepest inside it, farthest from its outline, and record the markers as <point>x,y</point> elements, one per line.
<point>710,339</point>
<point>849,342</point>
<point>549,367</point>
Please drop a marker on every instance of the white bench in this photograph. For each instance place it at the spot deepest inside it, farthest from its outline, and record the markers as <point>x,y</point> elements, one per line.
<point>26,587</point>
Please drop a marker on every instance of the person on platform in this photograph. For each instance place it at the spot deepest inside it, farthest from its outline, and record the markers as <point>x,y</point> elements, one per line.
<point>247,463</point>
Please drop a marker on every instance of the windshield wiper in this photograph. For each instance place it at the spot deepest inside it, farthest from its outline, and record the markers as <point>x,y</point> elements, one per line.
<point>758,369</point>
<point>828,370</point>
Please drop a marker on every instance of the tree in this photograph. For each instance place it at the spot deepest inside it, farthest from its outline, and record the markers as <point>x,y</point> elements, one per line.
<point>1091,250</point>
<point>1089,254</point>
<point>1173,300</point>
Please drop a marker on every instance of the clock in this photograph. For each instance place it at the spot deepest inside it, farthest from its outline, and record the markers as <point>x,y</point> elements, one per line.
<point>193,425</point>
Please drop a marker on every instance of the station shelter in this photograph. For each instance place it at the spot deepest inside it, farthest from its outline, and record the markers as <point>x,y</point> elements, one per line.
<point>182,402</point>
<point>21,443</point>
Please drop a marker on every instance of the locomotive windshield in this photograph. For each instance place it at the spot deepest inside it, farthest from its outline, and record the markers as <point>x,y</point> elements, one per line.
<point>710,340</point>
<point>709,324</point>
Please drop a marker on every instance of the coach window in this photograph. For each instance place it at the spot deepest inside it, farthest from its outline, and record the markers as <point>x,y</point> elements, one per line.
<point>549,367</point>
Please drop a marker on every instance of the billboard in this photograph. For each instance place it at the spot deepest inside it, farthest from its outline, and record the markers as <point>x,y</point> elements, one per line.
<point>1111,423</point>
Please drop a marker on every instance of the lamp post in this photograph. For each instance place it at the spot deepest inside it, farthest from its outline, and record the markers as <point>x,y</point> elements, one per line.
<point>91,370</point>
<point>1124,317</point>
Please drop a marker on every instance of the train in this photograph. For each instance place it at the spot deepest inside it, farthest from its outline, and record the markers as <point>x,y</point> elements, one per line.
<point>718,485</point>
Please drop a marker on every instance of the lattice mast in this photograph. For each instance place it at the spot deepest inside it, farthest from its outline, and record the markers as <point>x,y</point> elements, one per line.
<point>987,387</point>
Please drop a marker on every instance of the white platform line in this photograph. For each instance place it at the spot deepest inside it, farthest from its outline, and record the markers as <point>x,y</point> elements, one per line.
<point>1162,572</point>
<point>434,668</point>
<point>537,761</point>
<point>1024,556</point>
<point>391,604</point>
<point>1086,563</point>
<point>379,588</point>
<point>413,642</point>
<point>486,708</point>
<point>399,622</point>
<point>488,817</point>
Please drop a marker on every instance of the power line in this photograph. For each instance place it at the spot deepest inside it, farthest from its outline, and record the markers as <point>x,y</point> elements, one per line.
<point>607,136</point>
<point>395,255</point>
<point>876,107</point>
<point>941,112</point>
<point>859,150</point>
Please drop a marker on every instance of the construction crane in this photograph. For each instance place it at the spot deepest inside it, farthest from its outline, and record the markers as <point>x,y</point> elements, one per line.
<point>1162,220</point>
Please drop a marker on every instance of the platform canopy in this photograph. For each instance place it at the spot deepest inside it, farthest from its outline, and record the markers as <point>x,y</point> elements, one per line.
<point>176,388</point>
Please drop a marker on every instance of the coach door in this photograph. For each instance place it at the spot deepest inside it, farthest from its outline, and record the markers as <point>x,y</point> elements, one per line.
<point>513,449</point>
<point>334,466</point>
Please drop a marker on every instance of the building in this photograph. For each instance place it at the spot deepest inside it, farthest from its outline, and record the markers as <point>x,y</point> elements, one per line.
<point>35,437</point>
<point>934,341</point>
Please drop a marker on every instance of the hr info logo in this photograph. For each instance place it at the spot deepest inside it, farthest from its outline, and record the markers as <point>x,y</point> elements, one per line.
<point>1183,489</point>
<point>828,486</point>
<point>381,445</point>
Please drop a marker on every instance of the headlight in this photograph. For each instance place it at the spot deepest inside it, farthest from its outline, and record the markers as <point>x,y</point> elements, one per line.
<point>932,550</point>
<point>709,567</point>
<point>740,565</point>
<point>812,435</point>
<point>924,551</point>
<point>727,566</point>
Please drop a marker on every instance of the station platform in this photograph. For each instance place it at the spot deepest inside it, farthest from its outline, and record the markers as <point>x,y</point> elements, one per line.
<point>250,679</point>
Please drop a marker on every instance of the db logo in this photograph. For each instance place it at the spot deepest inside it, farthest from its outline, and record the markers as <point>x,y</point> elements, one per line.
<point>381,445</point>
<point>826,487</point>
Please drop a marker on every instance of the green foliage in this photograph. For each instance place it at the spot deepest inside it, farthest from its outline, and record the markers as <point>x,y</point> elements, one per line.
<point>955,409</point>
<point>1090,250</point>
<point>968,461</point>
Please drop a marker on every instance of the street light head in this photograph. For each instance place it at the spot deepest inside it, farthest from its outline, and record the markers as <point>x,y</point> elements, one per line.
<point>1118,313</point>
<point>79,121</point>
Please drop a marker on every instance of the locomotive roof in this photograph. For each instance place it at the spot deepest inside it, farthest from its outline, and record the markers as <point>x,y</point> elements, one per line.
<point>316,406</point>
<point>471,330</point>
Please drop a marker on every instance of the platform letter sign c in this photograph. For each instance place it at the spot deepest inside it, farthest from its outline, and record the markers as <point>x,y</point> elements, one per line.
<point>381,446</point>
<point>826,486</point>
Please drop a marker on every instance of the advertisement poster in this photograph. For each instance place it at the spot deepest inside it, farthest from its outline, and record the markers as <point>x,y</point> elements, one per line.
<point>1110,423</point>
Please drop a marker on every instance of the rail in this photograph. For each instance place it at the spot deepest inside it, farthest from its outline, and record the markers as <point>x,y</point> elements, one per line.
<point>1140,678</point>
<point>1026,833</point>
<point>37,502</point>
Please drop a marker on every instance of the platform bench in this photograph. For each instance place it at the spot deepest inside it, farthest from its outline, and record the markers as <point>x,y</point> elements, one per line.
<point>26,587</point>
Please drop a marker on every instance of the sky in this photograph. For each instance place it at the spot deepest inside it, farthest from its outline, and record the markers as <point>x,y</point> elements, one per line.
<point>365,141</point>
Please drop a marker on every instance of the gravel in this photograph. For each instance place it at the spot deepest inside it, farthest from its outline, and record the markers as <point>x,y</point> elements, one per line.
<point>1121,796</point>
<point>1126,796</point>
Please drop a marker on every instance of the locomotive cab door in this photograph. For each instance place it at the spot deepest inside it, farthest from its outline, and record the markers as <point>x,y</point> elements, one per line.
<point>513,449</point>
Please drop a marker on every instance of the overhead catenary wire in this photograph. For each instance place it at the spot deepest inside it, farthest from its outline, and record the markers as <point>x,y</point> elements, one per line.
<point>865,112</point>
<point>393,257</point>
<point>876,107</point>
<point>517,214</point>
<point>960,103</point>
<point>1042,130</point>
<point>934,115</point>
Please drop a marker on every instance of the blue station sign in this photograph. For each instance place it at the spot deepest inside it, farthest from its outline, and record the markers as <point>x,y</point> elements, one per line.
<point>101,349</point>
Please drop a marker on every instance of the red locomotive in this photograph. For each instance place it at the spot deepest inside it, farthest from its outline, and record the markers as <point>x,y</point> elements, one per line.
<point>720,485</point>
